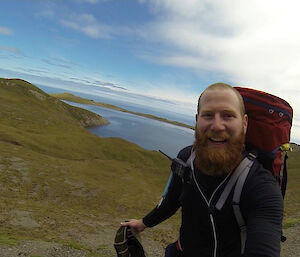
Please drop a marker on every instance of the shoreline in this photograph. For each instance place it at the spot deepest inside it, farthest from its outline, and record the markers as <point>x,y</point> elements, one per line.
<point>76,99</point>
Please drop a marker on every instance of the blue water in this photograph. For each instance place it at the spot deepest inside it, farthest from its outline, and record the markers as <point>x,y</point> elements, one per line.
<point>132,102</point>
<point>147,133</point>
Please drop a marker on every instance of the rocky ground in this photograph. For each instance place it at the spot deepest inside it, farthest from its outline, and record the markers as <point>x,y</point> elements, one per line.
<point>291,247</point>
<point>35,248</point>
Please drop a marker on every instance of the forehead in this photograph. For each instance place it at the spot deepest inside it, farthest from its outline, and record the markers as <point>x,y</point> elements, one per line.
<point>219,99</point>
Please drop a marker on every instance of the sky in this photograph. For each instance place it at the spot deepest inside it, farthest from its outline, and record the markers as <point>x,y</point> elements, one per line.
<point>168,49</point>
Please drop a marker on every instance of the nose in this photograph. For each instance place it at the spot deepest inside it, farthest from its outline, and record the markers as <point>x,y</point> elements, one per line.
<point>217,124</point>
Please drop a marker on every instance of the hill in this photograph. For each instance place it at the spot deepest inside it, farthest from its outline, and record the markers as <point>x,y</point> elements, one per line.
<point>59,183</point>
<point>63,190</point>
<point>295,147</point>
<point>77,99</point>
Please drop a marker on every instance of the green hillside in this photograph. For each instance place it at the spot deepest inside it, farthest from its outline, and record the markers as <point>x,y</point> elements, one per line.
<point>292,197</point>
<point>58,181</point>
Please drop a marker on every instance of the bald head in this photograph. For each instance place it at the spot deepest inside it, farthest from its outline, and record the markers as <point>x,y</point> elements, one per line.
<point>223,86</point>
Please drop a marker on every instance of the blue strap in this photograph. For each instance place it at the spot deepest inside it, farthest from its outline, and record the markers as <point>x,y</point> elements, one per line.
<point>167,186</point>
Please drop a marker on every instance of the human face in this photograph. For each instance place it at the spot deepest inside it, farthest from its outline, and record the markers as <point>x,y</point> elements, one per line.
<point>219,118</point>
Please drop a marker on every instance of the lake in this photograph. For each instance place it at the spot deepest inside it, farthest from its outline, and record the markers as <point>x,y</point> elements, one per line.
<point>136,103</point>
<point>147,133</point>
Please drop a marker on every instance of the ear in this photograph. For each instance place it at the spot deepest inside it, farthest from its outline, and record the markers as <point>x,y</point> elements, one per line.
<point>245,123</point>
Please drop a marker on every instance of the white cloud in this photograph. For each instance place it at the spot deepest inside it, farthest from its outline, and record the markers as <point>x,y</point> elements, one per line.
<point>87,24</point>
<point>252,43</point>
<point>6,31</point>
<point>12,50</point>
<point>59,61</point>
<point>46,9</point>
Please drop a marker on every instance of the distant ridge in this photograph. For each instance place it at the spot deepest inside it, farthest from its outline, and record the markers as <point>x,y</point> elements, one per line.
<point>295,147</point>
<point>76,99</point>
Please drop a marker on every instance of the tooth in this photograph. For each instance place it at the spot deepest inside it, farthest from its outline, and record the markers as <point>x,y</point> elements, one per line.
<point>217,139</point>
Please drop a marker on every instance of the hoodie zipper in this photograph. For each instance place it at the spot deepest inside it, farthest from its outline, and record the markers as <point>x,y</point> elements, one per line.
<point>208,202</point>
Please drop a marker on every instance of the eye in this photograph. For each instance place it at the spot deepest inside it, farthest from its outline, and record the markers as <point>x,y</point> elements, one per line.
<point>228,116</point>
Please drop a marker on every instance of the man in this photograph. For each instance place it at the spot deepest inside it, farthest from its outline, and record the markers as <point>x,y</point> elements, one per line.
<point>221,125</point>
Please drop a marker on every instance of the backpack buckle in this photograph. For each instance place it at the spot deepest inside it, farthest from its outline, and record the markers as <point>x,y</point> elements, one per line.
<point>252,156</point>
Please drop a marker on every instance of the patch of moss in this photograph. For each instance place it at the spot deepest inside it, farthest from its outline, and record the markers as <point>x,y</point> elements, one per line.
<point>290,222</point>
<point>75,245</point>
<point>8,240</point>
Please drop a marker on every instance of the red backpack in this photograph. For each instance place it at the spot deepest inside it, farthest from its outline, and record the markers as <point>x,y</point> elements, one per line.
<point>268,133</point>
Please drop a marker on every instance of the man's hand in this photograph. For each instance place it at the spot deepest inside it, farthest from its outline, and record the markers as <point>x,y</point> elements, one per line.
<point>137,225</point>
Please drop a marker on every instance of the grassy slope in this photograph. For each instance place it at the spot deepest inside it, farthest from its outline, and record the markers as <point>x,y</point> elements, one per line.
<point>60,181</point>
<point>64,177</point>
<point>292,197</point>
<point>77,99</point>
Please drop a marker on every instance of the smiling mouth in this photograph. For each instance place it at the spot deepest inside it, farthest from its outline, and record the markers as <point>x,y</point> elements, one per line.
<point>217,140</point>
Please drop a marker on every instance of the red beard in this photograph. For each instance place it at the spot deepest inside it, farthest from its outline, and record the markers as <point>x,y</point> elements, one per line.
<point>218,161</point>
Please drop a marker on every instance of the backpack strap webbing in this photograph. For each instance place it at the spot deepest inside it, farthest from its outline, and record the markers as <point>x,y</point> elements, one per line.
<point>238,179</point>
<point>243,166</point>
<point>236,206</point>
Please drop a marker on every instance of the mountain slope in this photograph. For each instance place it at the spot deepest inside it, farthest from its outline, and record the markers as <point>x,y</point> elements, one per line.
<point>61,183</point>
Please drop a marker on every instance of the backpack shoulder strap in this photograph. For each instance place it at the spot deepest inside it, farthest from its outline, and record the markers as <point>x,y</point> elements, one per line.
<point>238,179</point>
<point>236,206</point>
<point>243,168</point>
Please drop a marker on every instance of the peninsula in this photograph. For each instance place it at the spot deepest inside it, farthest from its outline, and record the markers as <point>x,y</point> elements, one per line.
<point>76,99</point>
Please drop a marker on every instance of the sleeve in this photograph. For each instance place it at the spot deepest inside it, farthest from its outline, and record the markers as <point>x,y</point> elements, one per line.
<point>170,202</point>
<point>263,215</point>
<point>168,206</point>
